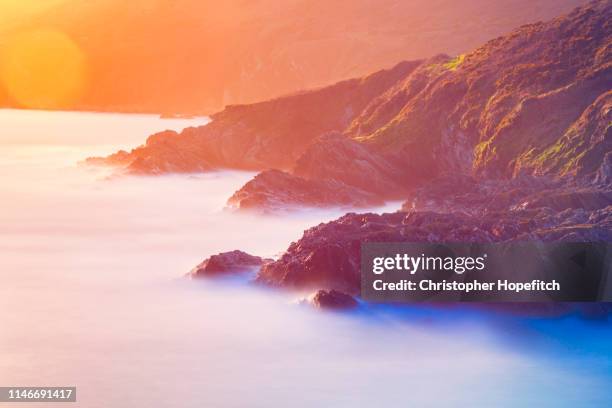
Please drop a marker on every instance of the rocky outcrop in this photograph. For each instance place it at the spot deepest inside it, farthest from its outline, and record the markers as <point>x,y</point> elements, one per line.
<point>275,190</point>
<point>228,263</point>
<point>271,134</point>
<point>333,171</point>
<point>335,157</point>
<point>333,300</point>
<point>328,255</point>
<point>472,195</point>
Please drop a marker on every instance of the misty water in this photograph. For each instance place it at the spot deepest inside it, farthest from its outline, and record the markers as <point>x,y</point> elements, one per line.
<point>93,294</point>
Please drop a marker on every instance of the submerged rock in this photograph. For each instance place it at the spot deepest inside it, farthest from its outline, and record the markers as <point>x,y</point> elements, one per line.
<point>226,263</point>
<point>333,300</point>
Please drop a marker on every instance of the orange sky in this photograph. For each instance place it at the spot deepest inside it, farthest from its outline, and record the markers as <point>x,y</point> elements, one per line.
<point>13,9</point>
<point>197,56</point>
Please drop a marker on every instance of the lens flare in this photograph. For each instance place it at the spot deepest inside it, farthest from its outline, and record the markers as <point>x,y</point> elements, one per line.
<point>43,69</point>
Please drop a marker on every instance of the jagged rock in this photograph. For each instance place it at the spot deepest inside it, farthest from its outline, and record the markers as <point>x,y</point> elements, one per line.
<point>468,194</point>
<point>327,255</point>
<point>225,263</point>
<point>333,300</point>
<point>587,199</point>
<point>334,171</point>
<point>275,190</point>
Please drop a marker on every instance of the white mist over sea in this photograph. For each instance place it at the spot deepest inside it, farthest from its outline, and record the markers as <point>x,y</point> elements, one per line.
<point>93,295</point>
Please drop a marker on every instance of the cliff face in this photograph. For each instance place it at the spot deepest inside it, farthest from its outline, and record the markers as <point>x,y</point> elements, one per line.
<point>509,107</point>
<point>583,151</point>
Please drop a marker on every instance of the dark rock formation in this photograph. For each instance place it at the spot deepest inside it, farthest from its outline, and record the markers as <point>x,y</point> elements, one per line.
<point>472,195</point>
<point>226,263</point>
<point>451,210</point>
<point>333,300</point>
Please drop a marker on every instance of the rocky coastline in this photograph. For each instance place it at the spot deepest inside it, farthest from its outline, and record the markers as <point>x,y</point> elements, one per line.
<point>509,142</point>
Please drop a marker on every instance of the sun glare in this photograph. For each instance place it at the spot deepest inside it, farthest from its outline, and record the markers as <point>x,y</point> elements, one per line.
<point>43,69</point>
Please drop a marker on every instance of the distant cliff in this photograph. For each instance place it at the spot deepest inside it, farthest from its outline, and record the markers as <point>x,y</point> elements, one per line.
<point>271,134</point>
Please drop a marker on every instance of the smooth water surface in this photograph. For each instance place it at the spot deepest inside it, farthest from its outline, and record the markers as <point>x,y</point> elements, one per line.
<point>93,294</point>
